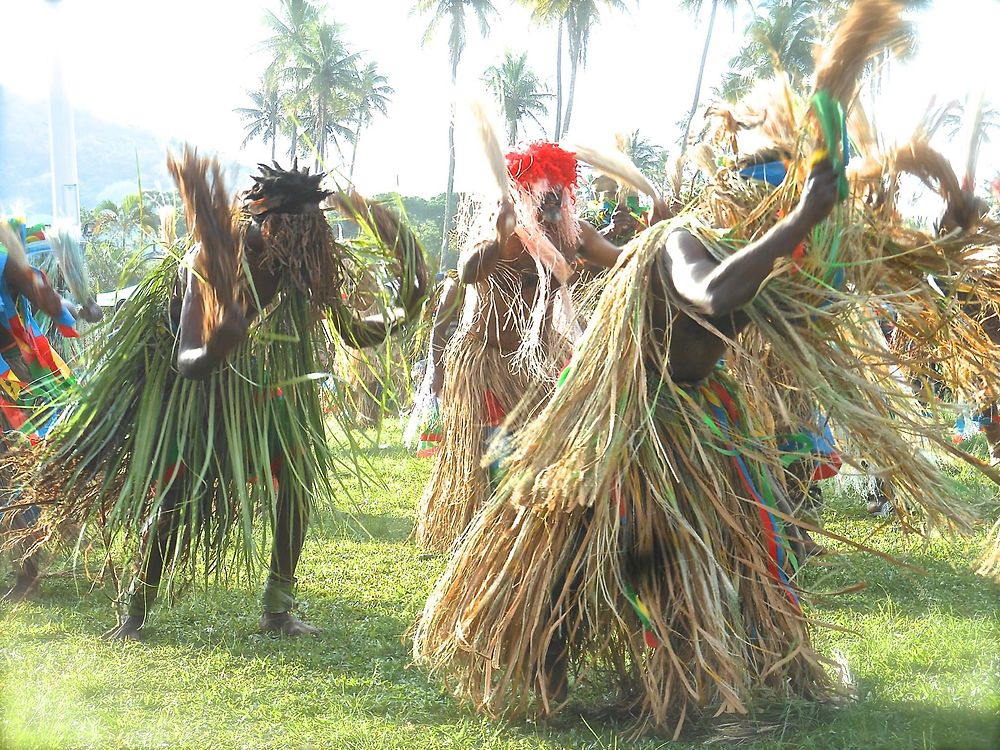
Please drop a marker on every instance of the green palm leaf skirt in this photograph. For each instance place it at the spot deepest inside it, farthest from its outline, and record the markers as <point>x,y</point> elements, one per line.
<point>140,433</point>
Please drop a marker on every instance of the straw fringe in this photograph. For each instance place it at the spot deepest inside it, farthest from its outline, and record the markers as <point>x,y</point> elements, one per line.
<point>459,482</point>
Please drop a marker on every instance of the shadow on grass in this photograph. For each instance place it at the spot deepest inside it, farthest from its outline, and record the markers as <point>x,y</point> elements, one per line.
<point>942,585</point>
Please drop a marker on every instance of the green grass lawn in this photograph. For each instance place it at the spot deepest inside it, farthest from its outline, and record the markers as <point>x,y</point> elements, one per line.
<point>924,651</point>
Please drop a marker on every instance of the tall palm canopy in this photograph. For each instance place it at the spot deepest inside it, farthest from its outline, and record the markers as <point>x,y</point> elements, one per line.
<point>264,118</point>
<point>315,90</point>
<point>372,97</point>
<point>578,18</point>
<point>519,92</point>
<point>780,40</point>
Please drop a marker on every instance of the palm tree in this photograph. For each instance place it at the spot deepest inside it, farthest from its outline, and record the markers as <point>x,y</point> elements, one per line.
<point>581,18</point>
<point>326,73</point>
<point>695,6</point>
<point>518,91</point>
<point>454,11</point>
<point>263,119</point>
<point>124,219</point>
<point>578,18</point>
<point>650,158</point>
<point>781,40</point>
<point>373,96</point>
<point>288,28</point>
<point>547,12</point>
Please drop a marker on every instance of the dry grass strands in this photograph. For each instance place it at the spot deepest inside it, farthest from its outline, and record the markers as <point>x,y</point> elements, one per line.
<point>459,482</point>
<point>550,563</point>
<point>302,247</point>
<point>868,27</point>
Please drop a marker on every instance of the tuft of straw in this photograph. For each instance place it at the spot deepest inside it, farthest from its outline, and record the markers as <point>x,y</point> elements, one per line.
<point>492,150</point>
<point>869,27</point>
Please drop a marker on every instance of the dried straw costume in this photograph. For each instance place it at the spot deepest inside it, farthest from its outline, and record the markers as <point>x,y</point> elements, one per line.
<point>484,384</point>
<point>203,465</point>
<point>639,529</point>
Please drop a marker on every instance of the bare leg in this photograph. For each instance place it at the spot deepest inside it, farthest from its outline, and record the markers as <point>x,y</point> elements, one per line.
<point>158,546</point>
<point>24,558</point>
<point>292,517</point>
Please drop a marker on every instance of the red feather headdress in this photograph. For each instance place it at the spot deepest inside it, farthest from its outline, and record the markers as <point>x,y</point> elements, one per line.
<point>543,164</point>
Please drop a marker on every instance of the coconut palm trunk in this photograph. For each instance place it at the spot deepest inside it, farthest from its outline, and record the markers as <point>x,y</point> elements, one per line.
<point>701,74</point>
<point>574,65</point>
<point>559,92</point>
<point>354,151</point>
<point>449,198</point>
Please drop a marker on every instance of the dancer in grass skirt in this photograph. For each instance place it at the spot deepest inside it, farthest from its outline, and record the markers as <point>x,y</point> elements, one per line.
<point>643,532</point>
<point>513,337</point>
<point>35,381</point>
<point>202,423</point>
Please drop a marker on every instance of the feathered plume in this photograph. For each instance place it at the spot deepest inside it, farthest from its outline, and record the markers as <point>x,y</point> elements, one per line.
<point>868,27</point>
<point>617,166</point>
<point>210,222</point>
<point>69,255</point>
<point>492,150</point>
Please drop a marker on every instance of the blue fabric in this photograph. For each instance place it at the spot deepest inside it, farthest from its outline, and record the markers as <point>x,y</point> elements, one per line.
<point>771,172</point>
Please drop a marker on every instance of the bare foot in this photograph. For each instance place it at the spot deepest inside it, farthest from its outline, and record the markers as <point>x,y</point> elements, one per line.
<point>285,624</point>
<point>126,630</point>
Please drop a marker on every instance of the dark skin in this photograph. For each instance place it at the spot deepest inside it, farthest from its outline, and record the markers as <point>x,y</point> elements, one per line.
<point>449,308</point>
<point>718,290</point>
<point>480,262</point>
<point>198,357</point>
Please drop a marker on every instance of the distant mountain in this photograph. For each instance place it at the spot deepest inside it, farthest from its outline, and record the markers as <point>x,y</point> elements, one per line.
<point>111,158</point>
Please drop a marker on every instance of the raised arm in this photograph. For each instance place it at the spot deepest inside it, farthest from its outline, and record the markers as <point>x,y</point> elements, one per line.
<point>716,288</point>
<point>452,295</point>
<point>480,261</point>
<point>372,330</point>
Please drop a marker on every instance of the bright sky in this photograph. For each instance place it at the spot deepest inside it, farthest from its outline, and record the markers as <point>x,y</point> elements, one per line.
<point>179,68</point>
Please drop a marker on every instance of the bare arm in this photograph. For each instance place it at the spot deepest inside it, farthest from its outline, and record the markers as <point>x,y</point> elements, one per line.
<point>34,286</point>
<point>452,296</point>
<point>480,261</point>
<point>595,249</point>
<point>716,289</point>
<point>372,330</point>
<point>197,357</point>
